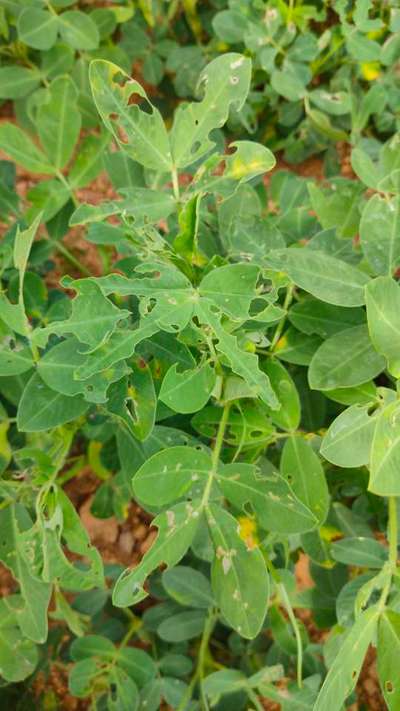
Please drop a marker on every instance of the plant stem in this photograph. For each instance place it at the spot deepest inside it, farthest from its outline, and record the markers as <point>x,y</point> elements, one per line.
<point>279,328</point>
<point>296,630</point>
<point>392,535</point>
<point>254,699</point>
<point>70,257</point>
<point>198,676</point>
<point>290,13</point>
<point>175,184</point>
<point>66,184</point>
<point>292,617</point>
<point>393,532</point>
<point>215,453</point>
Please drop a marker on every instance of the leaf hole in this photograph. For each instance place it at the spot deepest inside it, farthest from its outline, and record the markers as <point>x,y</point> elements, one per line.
<point>389,687</point>
<point>195,147</point>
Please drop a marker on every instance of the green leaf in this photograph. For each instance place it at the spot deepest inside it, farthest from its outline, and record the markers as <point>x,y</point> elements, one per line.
<point>188,586</point>
<point>15,362</point>
<point>288,416</point>
<point>188,391</point>
<point>169,474</point>
<point>143,398</point>
<point>326,277</point>
<point>14,316</point>
<point>239,576</point>
<point>295,347</point>
<point>16,82</point>
<point>385,453</point>
<point>380,234</point>
<point>383,303</point>
<point>120,346</point>
<point>123,694</point>
<point>344,360</point>
<point>246,427</point>
<point>78,30</point>
<point>62,525</point>
<point>81,676</point>
<point>388,651</point>
<point>57,369</point>
<point>92,645</point>
<point>48,197</point>
<point>93,317</point>
<point>146,136</point>
<point>343,674</point>
<point>313,316</point>
<point>146,206</point>
<point>42,409</point>
<point>226,82</point>
<point>37,28</point>
<point>341,206</point>
<point>224,174</point>
<point>18,655</point>
<point>22,247</point>
<point>348,440</point>
<point>243,363</point>
<point>272,499</point>
<point>138,664</point>
<point>75,621</point>
<point>362,552</point>
<point>182,626</point>
<point>177,527</point>
<point>302,469</point>
<point>89,161</point>
<point>59,121</point>
<point>232,288</point>
<point>31,612</point>
<point>20,148</point>
<point>365,168</point>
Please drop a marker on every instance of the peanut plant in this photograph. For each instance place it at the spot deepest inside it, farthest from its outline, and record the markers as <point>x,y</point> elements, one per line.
<point>234,372</point>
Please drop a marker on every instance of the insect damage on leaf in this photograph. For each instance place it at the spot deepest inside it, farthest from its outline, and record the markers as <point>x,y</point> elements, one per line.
<point>199,413</point>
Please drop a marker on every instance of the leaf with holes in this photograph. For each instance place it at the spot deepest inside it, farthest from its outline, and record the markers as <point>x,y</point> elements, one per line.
<point>302,468</point>
<point>388,651</point>
<point>343,673</point>
<point>177,527</point>
<point>226,82</point>
<point>141,134</point>
<point>239,576</point>
<point>188,391</point>
<point>169,474</point>
<point>270,497</point>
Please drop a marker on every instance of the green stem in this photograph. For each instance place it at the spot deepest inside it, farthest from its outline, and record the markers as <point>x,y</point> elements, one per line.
<point>215,453</point>
<point>392,535</point>
<point>393,532</point>
<point>296,630</point>
<point>65,182</point>
<point>316,66</point>
<point>292,618</point>
<point>254,700</point>
<point>290,13</point>
<point>279,328</point>
<point>70,257</point>
<point>198,676</point>
<point>175,184</point>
